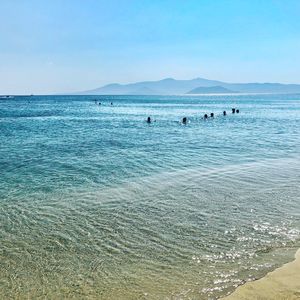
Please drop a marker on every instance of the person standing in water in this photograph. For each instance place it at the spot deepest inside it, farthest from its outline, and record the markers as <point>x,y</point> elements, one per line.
<point>148,120</point>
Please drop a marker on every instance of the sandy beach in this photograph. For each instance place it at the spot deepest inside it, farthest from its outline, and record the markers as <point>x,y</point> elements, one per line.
<point>283,283</point>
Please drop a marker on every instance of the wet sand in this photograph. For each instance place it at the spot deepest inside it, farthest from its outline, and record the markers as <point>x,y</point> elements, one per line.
<point>283,283</point>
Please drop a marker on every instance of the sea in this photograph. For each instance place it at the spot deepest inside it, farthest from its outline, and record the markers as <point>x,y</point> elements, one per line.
<point>96,203</point>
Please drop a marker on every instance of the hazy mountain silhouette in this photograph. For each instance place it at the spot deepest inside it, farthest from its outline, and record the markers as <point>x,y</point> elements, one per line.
<point>210,90</point>
<point>170,86</point>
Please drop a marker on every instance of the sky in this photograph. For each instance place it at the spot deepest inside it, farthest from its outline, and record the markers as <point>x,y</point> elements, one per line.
<point>60,46</point>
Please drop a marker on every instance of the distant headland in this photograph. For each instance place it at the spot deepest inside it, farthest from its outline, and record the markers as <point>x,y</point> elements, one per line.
<point>170,86</point>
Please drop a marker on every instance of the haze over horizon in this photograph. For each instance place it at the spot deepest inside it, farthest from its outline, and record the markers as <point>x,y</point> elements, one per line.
<point>58,47</point>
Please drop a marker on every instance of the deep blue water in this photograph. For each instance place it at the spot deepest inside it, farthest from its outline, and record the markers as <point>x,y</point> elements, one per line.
<point>96,202</point>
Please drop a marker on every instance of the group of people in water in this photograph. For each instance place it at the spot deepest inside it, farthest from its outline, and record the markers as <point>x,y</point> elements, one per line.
<point>185,119</point>
<point>205,117</point>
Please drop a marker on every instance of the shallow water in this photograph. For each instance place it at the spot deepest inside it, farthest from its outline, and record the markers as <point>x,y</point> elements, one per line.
<point>97,203</point>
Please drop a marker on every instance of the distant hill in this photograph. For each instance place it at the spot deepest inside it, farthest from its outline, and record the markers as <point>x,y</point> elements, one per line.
<point>170,86</point>
<point>211,90</point>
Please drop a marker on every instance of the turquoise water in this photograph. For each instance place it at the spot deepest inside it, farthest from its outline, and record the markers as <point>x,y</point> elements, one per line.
<point>96,203</point>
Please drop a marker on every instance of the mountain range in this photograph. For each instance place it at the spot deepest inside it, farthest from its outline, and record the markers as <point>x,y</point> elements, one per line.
<point>170,86</point>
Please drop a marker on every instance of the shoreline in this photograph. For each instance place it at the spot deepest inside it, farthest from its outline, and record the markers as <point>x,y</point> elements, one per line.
<point>282,283</point>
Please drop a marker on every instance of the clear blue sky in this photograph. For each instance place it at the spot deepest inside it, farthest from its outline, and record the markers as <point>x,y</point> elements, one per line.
<point>71,45</point>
